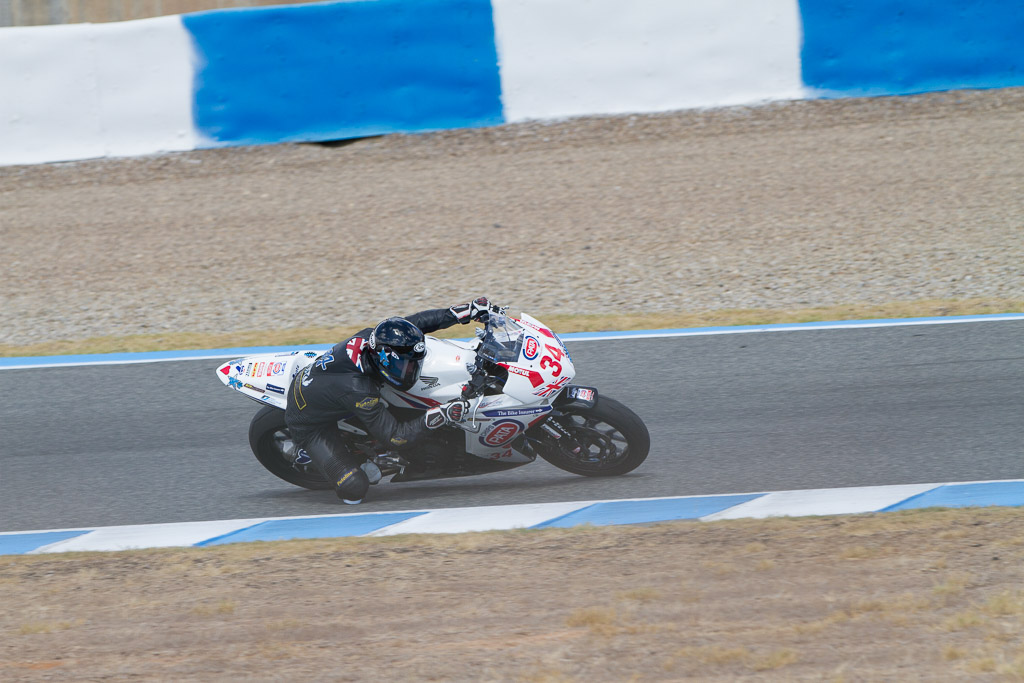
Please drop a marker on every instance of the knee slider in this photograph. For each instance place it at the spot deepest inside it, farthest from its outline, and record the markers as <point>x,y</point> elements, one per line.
<point>352,485</point>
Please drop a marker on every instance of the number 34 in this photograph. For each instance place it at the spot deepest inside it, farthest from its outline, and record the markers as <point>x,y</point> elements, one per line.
<point>552,363</point>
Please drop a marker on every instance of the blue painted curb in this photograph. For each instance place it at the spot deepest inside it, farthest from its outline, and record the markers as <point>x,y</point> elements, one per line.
<point>528,516</point>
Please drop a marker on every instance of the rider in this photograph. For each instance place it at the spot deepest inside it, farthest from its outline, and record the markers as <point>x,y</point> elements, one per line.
<point>347,380</point>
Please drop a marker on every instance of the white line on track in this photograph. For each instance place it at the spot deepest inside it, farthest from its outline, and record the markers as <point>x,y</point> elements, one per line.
<point>32,362</point>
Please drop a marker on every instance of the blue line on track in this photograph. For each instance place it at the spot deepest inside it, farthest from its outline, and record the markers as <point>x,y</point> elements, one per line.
<point>26,362</point>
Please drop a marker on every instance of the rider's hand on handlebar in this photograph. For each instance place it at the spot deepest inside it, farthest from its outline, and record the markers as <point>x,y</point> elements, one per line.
<point>478,310</point>
<point>447,413</point>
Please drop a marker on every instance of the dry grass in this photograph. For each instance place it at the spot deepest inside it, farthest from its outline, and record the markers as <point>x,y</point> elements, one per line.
<point>645,594</point>
<point>717,656</point>
<point>219,607</point>
<point>559,322</point>
<point>598,603</point>
<point>592,617</point>
<point>952,585</point>
<point>34,627</point>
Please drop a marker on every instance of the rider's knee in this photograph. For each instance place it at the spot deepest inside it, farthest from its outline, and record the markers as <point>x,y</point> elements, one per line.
<point>351,485</point>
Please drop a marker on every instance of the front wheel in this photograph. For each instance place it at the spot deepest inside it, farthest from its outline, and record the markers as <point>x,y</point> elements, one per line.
<point>613,439</point>
<point>272,444</point>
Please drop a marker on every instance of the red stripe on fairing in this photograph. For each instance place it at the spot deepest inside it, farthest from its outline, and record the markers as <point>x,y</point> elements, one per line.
<point>536,379</point>
<point>537,328</point>
<point>427,402</point>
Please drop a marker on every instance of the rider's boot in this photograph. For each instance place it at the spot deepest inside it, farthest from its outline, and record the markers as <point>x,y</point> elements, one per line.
<point>372,472</point>
<point>339,467</point>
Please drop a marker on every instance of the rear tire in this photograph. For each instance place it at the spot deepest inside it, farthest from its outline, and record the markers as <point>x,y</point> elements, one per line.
<point>614,438</point>
<point>272,444</point>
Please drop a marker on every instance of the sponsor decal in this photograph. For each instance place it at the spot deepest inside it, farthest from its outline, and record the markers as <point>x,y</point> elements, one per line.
<point>512,412</point>
<point>367,403</point>
<point>530,348</point>
<point>239,368</point>
<point>234,383</point>
<point>399,441</point>
<point>430,382</point>
<point>310,354</point>
<point>536,379</point>
<point>562,344</point>
<point>226,369</point>
<point>323,361</point>
<point>274,388</point>
<point>501,432</point>
<point>252,388</point>
<point>306,377</point>
<point>581,393</point>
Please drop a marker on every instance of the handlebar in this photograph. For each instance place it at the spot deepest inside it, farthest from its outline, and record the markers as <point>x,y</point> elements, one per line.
<point>476,384</point>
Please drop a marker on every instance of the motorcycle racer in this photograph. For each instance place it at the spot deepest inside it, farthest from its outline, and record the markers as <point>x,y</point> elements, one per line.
<point>346,381</point>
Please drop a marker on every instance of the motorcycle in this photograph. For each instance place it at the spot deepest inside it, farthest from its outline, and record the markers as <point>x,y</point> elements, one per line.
<point>516,376</point>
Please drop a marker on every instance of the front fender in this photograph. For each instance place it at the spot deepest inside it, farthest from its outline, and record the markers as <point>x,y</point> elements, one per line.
<point>575,396</point>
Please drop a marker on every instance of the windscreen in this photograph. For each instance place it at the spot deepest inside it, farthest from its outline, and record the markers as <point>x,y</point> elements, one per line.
<point>502,341</point>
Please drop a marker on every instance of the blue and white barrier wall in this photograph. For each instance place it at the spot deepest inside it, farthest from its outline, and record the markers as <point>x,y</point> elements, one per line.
<point>347,69</point>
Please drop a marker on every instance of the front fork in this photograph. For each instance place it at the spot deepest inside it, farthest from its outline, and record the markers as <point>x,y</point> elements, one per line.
<point>562,436</point>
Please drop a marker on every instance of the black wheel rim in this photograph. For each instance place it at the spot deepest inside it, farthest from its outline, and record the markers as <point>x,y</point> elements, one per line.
<point>604,444</point>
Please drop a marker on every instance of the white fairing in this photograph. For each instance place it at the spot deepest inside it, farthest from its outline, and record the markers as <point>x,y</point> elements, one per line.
<point>265,378</point>
<point>537,374</point>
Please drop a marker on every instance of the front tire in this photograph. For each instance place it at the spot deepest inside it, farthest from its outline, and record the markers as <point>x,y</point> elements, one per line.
<point>614,438</point>
<point>272,444</point>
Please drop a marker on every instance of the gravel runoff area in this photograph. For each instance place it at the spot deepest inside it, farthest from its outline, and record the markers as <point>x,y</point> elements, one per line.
<point>794,204</point>
<point>917,596</point>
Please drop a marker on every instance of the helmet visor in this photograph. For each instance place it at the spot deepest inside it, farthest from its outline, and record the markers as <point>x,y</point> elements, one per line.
<point>399,367</point>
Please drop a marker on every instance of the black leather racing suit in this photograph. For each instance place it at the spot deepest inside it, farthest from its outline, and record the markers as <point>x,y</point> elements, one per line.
<point>338,385</point>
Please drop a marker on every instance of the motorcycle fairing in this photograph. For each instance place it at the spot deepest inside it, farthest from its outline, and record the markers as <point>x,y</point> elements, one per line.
<point>265,378</point>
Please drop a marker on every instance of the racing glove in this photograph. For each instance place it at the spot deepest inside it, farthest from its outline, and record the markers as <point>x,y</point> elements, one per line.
<point>447,413</point>
<point>477,309</point>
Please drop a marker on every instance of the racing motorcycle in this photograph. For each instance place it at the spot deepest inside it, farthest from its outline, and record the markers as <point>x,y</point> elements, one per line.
<point>516,375</point>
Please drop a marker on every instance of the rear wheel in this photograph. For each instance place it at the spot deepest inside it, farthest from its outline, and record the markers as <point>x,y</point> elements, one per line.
<point>272,444</point>
<point>613,439</point>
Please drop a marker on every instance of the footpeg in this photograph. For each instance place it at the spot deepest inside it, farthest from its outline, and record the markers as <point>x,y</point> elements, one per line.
<point>390,463</point>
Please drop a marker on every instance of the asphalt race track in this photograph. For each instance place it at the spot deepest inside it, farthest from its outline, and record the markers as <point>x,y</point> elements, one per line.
<point>166,442</point>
